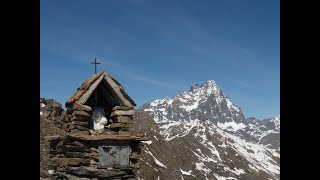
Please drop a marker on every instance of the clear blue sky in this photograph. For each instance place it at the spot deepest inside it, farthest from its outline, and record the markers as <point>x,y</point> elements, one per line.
<point>160,48</point>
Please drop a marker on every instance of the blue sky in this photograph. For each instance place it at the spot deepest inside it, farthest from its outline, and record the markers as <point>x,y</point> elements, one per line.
<point>160,48</point>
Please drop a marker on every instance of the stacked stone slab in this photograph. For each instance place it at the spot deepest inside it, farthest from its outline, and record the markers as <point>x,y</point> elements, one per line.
<point>76,156</point>
<point>122,119</point>
<point>80,118</point>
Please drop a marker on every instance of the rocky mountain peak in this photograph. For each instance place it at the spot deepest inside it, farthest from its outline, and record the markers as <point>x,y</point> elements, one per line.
<point>205,99</point>
<point>208,88</point>
<point>273,122</point>
<point>277,120</point>
<point>253,121</point>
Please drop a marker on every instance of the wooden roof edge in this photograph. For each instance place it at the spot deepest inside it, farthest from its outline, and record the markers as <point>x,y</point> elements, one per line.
<point>89,90</point>
<point>122,91</point>
<point>84,86</point>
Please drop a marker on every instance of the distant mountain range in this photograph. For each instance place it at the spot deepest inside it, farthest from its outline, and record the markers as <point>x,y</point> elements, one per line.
<point>212,137</point>
<point>207,101</point>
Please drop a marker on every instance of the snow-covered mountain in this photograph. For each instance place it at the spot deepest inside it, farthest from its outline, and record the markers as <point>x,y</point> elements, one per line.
<point>201,100</point>
<point>208,101</point>
<point>209,138</point>
<point>198,149</point>
<point>269,133</point>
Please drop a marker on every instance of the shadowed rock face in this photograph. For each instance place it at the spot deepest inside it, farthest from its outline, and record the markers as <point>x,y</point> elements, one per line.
<point>50,124</point>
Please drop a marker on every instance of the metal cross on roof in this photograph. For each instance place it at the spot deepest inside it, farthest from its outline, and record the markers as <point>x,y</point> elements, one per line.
<point>95,65</point>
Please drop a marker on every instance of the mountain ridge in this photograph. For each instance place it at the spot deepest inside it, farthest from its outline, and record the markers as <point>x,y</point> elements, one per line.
<point>207,100</point>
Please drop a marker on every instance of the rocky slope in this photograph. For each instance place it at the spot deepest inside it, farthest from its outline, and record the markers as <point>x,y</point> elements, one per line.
<point>266,132</point>
<point>51,116</point>
<point>198,149</point>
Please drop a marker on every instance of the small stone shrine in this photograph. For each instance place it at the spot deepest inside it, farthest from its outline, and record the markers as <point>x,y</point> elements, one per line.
<point>98,144</point>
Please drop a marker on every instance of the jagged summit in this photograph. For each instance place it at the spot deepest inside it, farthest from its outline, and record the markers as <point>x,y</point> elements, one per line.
<point>209,87</point>
<point>208,101</point>
<point>202,99</point>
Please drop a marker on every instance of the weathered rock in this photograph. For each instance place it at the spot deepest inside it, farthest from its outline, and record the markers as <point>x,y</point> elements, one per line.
<point>122,108</point>
<point>124,133</point>
<point>81,107</point>
<point>98,173</point>
<point>78,107</point>
<point>53,104</point>
<point>95,158</point>
<point>45,114</point>
<point>71,161</point>
<point>75,143</point>
<point>123,113</point>
<point>123,119</point>
<point>80,118</point>
<point>69,177</point>
<point>65,127</point>
<point>74,148</point>
<point>77,131</point>
<point>81,128</point>
<point>64,117</point>
<point>80,123</point>
<point>47,128</point>
<point>43,173</point>
<point>92,149</point>
<point>76,155</point>
<point>135,155</point>
<point>93,162</point>
<point>58,125</point>
<point>136,137</point>
<point>135,165</point>
<point>108,132</point>
<point>81,113</point>
<point>119,125</point>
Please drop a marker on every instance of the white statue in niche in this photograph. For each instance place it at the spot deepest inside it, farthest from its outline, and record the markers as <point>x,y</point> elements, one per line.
<point>98,121</point>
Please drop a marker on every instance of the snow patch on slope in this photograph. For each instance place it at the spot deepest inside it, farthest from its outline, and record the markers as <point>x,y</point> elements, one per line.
<point>190,107</point>
<point>231,106</point>
<point>201,167</point>
<point>257,154</point>
<point>154,158</point>
<point>231,126</point>
<point>186,172</point>
<point>224,178</point>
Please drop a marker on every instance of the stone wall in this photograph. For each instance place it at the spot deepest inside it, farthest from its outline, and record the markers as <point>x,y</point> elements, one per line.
<point>79,120</point>
<point>77,157</point>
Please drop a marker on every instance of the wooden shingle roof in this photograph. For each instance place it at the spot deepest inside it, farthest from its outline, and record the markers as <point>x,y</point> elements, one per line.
<point>89,85</point>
